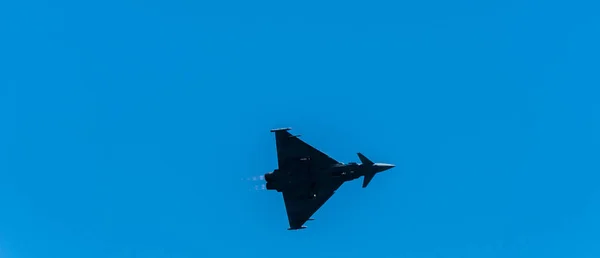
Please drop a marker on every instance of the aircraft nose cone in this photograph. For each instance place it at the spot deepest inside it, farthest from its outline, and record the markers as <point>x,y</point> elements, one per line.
<point>383,166</point>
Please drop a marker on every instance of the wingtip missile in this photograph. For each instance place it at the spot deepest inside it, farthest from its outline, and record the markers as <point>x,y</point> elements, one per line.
<point>303,227</point>
<point>281,129</point>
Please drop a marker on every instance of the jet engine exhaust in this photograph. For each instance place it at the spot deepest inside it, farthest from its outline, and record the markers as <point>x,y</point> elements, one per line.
<point>254,178</point>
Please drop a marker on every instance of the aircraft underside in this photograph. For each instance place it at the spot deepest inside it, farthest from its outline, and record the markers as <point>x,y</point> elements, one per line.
<point>307,177</point>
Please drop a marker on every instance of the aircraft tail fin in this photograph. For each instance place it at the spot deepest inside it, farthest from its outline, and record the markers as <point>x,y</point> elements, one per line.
<point>367,179</point>
<point>364,159</point>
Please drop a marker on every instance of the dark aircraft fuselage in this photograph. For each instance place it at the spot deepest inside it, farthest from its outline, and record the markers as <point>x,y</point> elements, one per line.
<point>336,174</point>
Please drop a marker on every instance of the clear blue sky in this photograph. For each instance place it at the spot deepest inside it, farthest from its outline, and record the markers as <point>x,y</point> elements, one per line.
<point>126,127</point>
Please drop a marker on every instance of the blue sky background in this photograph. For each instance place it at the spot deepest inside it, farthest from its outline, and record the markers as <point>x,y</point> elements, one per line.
<point>127,126</point>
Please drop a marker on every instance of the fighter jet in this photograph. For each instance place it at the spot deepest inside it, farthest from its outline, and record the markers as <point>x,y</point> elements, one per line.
<point>307,177</point>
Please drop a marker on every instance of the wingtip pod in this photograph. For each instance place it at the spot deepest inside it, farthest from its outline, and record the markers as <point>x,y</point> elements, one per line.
<point>281,129</point>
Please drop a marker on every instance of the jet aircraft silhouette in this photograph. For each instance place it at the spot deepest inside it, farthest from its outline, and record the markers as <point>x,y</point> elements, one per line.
<point>307,177</point>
